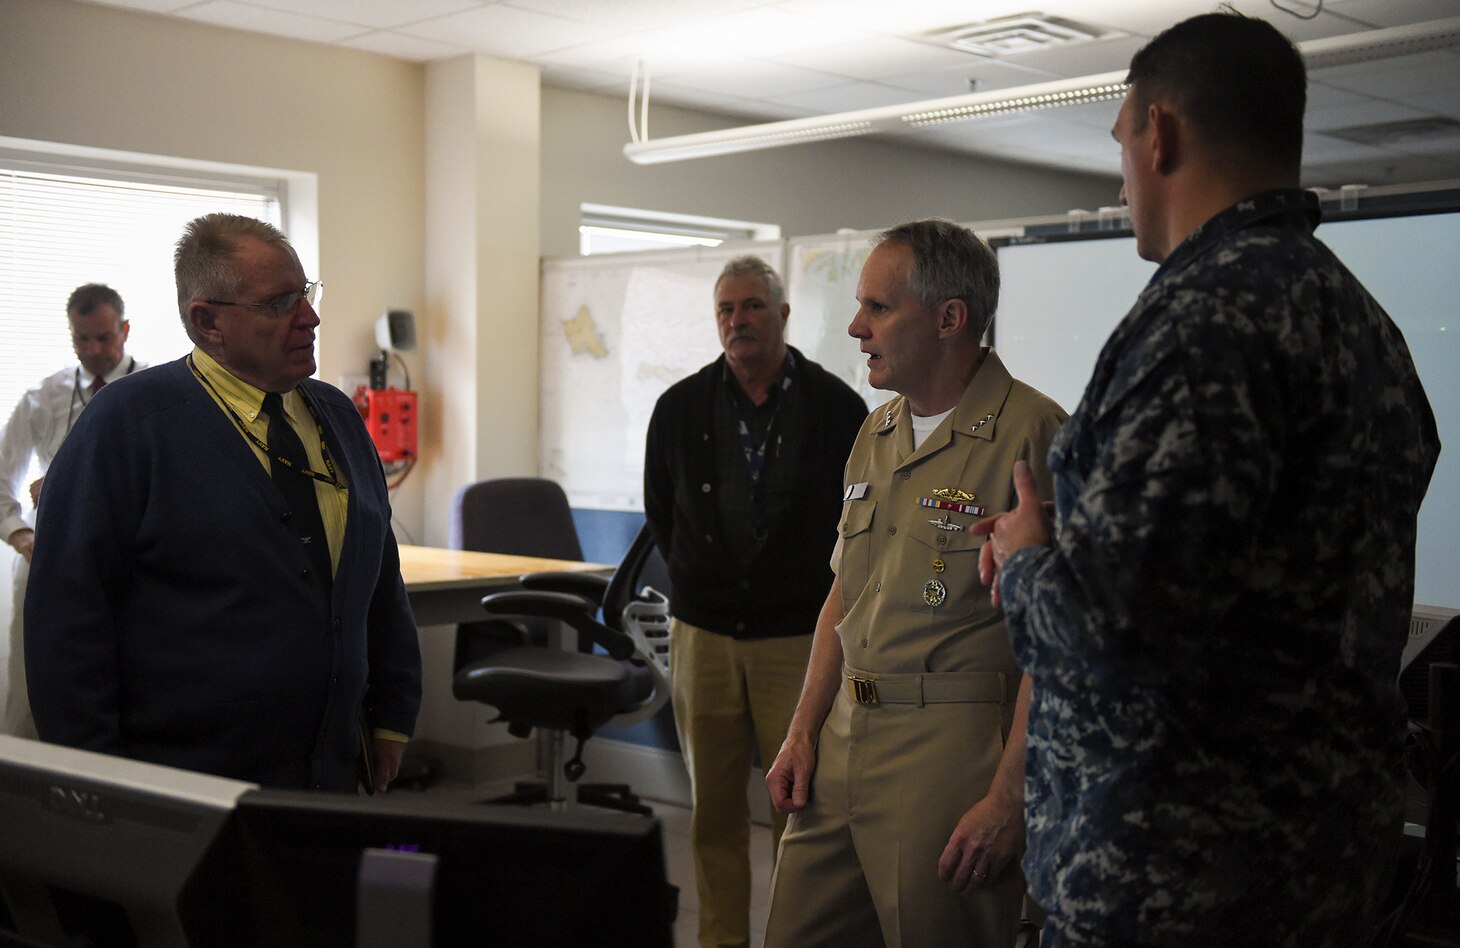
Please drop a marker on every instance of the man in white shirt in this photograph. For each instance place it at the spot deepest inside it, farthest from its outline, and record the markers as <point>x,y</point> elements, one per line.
<point>37,426</point>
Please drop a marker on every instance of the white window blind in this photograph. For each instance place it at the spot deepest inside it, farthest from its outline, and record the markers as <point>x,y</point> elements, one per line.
<point>62,227</point>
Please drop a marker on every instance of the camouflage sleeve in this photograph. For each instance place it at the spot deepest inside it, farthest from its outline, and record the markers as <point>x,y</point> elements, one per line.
<point>1153,545</point>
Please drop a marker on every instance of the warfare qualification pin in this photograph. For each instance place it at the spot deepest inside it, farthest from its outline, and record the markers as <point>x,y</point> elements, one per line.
<point>954,494</point>
<point>945,524</point>
<point>934,592</point>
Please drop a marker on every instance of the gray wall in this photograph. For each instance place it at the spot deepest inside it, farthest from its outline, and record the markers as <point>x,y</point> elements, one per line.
<point>862,184</point>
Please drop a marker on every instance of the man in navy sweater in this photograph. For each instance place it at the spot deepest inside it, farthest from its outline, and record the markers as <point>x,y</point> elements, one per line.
<point>214,584</point>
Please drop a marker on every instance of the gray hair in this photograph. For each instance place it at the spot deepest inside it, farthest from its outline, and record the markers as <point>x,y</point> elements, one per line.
<point>751,265</point>
<point>203,263</point>
<point>949,262</point>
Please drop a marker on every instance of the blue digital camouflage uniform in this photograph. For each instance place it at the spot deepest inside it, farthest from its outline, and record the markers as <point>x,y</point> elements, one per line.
<point>1215,740</point>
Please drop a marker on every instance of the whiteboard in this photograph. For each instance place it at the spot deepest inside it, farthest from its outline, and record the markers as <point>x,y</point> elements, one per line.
<point>615,332</point>
<point>1060,301</point>
<point>821,277</point>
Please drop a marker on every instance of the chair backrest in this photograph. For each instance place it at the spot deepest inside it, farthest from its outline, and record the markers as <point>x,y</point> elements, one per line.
<point>636,603</point>
<point>521,516</point>
<point>641,566</point>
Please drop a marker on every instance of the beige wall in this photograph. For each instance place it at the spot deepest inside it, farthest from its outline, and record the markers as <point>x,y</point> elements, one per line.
<point>89,75</point>
<point>862,184</point>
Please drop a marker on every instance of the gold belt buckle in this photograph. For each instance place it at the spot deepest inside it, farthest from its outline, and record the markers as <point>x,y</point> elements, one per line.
<point>862,690</point>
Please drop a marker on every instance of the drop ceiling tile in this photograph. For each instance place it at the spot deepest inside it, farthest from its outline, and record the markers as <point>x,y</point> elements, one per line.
<point>881,56</point>
<point>759,33</point>
<point>780,111</point>
<point>1385,13</point>
<point>504,31</point>
<point>955,80</point>
<point>763,81</point>
<point>850,97</point>
<point>1394,84</point>
<point>904,19</point>
<point>149,6</point>
<point>1357,73</point>
<point>1324,96</point>
<point>633,15</point>
<point>1439,103</point>
<point>241,16</point>
<point>381,14</point>
<point>620,53</point>
<point>1318,148</point>
<point>404,47</point>
<point>1368,112</point>
<point>1140,19</point>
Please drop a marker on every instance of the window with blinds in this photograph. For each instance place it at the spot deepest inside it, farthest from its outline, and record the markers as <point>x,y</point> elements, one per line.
<point>61,227</point>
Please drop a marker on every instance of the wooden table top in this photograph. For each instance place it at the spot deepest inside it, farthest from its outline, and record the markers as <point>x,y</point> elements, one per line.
<point>427,567</point>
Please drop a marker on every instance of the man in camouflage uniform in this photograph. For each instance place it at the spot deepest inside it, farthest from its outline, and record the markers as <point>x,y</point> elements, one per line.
<point>1214,633</point>
<point>903,767</point>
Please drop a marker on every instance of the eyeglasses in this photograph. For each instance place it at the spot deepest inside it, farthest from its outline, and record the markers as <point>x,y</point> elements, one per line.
<point>283,304</point>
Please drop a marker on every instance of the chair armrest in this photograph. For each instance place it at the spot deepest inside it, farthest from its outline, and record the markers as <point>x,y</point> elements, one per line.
<point>574,611</point>
<point>590,586</point>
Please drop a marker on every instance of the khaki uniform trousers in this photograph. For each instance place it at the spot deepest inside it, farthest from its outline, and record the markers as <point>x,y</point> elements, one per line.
<point>729,696</point>
<point>859,865</point>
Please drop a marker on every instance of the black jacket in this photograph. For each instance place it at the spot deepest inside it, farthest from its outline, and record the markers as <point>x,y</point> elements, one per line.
<point>782,590</point>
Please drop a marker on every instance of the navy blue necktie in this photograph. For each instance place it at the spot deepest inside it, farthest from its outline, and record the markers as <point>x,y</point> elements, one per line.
<point>297,488</point>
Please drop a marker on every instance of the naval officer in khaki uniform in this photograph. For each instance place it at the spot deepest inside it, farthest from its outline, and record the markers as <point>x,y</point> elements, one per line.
<point>903,767</point>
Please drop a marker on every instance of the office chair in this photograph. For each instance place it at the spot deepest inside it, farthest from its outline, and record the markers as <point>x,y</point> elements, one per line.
<point>577,692</point>
<point>519,516</point>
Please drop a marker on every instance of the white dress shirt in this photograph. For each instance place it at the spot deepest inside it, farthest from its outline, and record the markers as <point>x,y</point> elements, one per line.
<point>40,422</point>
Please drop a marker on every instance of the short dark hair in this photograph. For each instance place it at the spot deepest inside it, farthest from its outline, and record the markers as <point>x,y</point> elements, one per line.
<point>87,297</point>
<point>751,265</point>
<point>1236,79</point>
<point>203,264</point>
<point>949,262</point>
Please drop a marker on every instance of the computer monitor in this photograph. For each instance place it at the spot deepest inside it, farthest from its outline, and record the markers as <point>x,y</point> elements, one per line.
<point>107,851</point>
<point>505,875</point>
<point>100,850</point>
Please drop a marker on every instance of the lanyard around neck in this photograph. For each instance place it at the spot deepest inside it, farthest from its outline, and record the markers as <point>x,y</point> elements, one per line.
<point>329,478</point>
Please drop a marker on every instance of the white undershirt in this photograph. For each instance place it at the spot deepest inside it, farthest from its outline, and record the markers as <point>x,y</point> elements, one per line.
<point>924,426</point>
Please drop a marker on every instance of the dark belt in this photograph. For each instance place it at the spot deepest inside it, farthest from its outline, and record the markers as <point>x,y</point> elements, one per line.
<point>920,689</point>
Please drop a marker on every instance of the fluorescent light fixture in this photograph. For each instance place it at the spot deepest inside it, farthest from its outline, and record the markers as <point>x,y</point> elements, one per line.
<point>1029,99</point>
<point>1319,54</point>
<point>888,118</point>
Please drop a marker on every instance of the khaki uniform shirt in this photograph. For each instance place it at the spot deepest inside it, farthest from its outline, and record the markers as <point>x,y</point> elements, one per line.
<point>911,591</point>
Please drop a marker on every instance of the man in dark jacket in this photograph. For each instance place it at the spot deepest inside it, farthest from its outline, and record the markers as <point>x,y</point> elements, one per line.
<point>742,490</point>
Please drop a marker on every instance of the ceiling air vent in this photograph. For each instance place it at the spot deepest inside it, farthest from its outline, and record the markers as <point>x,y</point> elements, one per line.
<point>1012,35</point>
<point>1396,133</point>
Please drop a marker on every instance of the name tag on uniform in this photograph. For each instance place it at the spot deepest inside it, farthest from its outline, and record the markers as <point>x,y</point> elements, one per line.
<point>855,491</point>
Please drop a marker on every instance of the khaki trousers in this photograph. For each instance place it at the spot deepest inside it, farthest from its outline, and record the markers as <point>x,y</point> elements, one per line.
<point>729,696</point>
<point>859,865</point>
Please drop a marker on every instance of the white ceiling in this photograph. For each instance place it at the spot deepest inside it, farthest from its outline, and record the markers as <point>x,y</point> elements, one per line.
<point>764,60</point>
